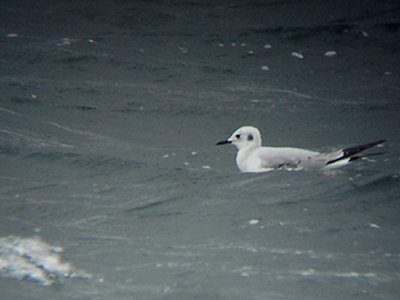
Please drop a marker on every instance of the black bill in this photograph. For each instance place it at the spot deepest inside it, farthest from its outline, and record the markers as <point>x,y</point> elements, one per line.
<point>223,142</point>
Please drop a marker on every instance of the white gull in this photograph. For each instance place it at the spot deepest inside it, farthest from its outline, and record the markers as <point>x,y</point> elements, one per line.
<point>252,157</point>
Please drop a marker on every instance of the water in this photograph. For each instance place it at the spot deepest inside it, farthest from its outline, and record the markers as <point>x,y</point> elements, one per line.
<point>111,183</point>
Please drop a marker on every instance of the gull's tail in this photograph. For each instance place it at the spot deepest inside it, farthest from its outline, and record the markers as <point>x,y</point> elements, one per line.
<point>349,154</point>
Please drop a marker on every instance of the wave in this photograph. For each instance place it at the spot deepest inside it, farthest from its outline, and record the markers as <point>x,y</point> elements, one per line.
<point>104,164</point>
<point>382,183</point>
<point>35,260</point>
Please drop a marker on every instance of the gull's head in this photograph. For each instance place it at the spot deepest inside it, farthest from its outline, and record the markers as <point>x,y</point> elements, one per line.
<point>244,137</point>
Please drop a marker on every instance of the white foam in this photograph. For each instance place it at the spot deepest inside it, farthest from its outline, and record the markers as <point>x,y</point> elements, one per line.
<point>253,222</point>
<point>34,259</point>
<point>298,55</point>
<point>330,53</point>
<point>350,274</point>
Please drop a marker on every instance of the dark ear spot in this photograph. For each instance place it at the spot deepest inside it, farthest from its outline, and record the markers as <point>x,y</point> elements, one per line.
<point>250,137</point>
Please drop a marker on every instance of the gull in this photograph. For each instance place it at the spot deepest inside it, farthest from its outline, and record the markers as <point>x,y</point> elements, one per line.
<point>252,157</point>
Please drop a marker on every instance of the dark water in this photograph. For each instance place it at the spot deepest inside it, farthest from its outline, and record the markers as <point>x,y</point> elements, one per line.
<point>111,185</point>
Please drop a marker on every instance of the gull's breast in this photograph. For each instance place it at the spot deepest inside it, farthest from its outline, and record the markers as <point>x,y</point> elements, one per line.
<point>247,160</point>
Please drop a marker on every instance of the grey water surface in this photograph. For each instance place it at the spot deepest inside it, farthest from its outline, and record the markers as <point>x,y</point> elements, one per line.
<point>111,186</point>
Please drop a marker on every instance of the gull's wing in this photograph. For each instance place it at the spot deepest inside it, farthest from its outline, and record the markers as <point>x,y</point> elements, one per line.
<point>287,157</point>
<point>296,158</point>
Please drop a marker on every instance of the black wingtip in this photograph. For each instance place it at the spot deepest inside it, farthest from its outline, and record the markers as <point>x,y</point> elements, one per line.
<point>378,142</point>
<point>353,150</point>
<point>349,152</point>
<point>357,157</point>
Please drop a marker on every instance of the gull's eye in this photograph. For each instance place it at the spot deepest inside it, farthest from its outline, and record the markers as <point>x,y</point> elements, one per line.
<point>250,137</point>
<point>237,136</point>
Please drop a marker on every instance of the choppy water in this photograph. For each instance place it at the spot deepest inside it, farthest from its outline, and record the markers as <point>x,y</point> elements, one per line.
<point>111,185</point>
